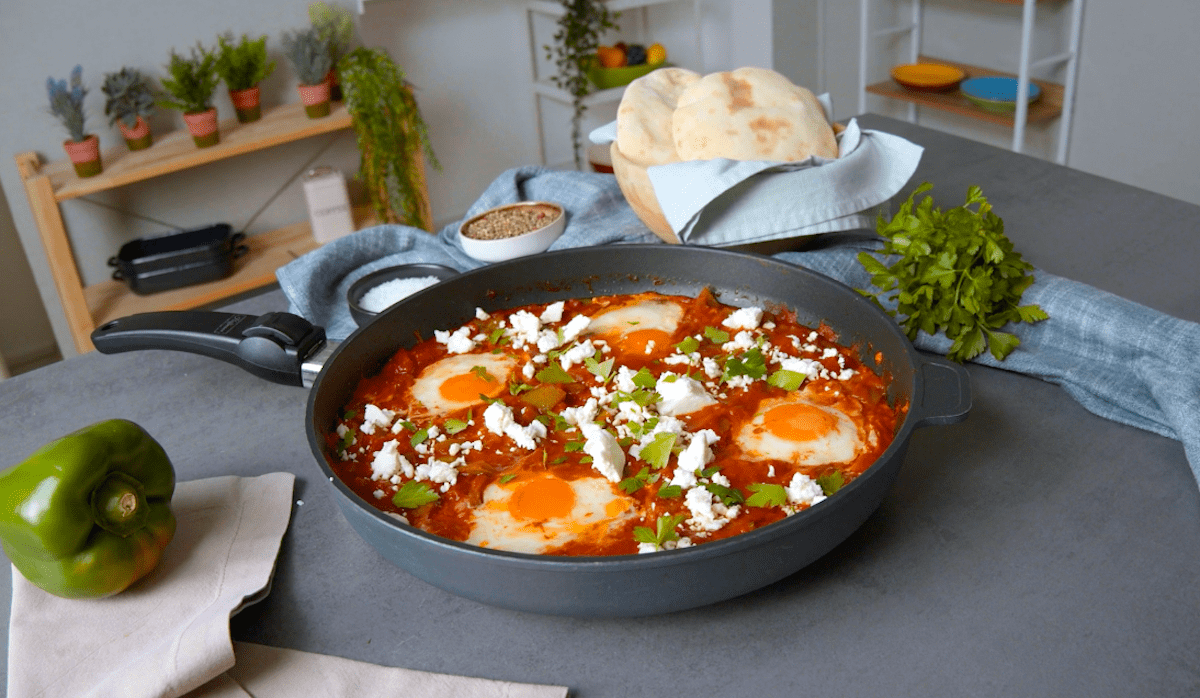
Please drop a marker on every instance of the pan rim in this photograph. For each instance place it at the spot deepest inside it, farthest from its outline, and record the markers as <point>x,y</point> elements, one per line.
<point>662,558</point>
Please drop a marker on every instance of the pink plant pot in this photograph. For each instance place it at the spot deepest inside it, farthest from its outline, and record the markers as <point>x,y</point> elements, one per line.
<point>138,137</point>
<point>85,155</point>
<point>203,127</point>
<point>315,99</point>
<point>248,104</point>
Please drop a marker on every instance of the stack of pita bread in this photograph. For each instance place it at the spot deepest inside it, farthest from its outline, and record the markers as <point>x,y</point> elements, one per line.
<point>677,115</point>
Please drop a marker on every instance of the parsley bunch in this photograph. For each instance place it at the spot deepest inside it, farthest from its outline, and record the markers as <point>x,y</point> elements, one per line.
<point>954,271</point>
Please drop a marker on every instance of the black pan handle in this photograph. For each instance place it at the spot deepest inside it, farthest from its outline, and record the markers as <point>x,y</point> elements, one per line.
<point>947,395</point>
<point>273,346</point>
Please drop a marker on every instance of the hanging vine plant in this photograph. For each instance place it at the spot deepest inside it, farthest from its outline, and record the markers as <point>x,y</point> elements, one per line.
<point>391,135</point>
<point>575,44</point>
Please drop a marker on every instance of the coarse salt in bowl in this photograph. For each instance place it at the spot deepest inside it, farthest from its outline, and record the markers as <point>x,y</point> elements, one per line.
<point>381,289</point>
<point>512,230</point>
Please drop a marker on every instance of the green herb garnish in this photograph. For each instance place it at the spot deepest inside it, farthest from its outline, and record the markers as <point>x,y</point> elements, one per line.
<point>688,345</point>
<point>644,378</point>
<point>658,451</point>
<point>598,368</point>
<point>716,336</point>
<point>636,482</point>
<point>953,271</point>
<point>727,495</point>
<point>419,437</point>
<point>664,530</point>
<point>508,477</point>
<point>453,426</point>
<point>554,373</point>
<point>788,380</point>
<point>766,495</point>
<point>482,374</point>
<point>750,364</point>
<point>414,494</point>
<point>831,482</point>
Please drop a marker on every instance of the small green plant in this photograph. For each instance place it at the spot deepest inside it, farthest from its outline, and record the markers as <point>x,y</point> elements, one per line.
<point>192,80</point>
<point>66,102</point>
<point>242,63</point>
<point>575,44</point>
<point>391,135</point>
<point>128,95</point>
<point>336,24</point>
<point>308,52</point>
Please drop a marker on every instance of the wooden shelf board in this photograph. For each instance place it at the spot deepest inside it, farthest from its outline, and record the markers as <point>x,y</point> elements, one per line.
<point>176,151</point>
<point>1045,109</point>
<point>109,300</point>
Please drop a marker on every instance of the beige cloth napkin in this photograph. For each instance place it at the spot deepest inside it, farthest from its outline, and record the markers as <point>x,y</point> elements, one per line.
<point>168,634</point>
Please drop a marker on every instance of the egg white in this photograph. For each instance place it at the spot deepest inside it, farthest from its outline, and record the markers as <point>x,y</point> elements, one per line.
<point>838,445</point>
<point>426,388</point>
<point>643,315</point>
<point>598,508</point>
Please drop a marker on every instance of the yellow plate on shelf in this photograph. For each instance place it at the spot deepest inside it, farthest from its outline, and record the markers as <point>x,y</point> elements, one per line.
<point>928,77</point>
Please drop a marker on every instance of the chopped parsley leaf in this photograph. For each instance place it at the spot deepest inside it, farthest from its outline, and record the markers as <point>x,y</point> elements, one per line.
<point>788,380</point>
<point>413,494</point>
<point>767,495</point>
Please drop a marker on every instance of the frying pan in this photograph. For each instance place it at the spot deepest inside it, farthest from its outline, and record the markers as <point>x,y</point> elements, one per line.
<point>285,348</point>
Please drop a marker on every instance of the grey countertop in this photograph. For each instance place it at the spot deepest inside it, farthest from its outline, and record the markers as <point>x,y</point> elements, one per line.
<point>1034,549</point>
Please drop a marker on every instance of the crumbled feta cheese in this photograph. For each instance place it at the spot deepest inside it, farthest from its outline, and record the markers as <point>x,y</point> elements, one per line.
<point>498,418</point>
<point>712,369</point>
<point>576,354</point>
<point>575,327</point>
<point>650,346</point>
<point>829,353</point>
<point>744,319</point>
<point>445,474</point>
<point>388,461</point>
<point>528,370</point>
<point>708,514</point>
<point>624,379</point>
<point>481,314</point>
<point>548,340</point>
<point>374,417</point>
<point>379,494</point>
<point>806,366</point>
<point>457,342</point>
<point>553,313</point>
<point>607,457</point>
<point>681,394</point>
<point>804,490</point>
<point>583,414</point>
<point>739,381</point>
<point>693,458</point>
<point>524,328</point>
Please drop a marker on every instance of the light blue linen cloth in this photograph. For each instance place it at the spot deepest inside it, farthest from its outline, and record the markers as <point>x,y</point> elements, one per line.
<point>1121,360</point>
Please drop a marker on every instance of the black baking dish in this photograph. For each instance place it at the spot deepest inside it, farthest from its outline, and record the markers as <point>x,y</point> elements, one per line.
<point>182,258</point>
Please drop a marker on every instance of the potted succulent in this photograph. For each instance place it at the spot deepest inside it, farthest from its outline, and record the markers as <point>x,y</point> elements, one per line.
<point>66,103</point>
<point>391,136</point>
<point>129,100</point>
<point>191,84</point>
<point>242,65</point>
<point>579,30</point>
<point>308,52</point>
<point>335,23</point>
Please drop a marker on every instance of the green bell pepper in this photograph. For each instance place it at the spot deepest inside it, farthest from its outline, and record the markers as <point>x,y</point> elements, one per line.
<point>89,514</point>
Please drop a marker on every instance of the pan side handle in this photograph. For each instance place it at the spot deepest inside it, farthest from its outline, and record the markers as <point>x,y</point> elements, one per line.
<point>273,346</point>
<point>947,394</point>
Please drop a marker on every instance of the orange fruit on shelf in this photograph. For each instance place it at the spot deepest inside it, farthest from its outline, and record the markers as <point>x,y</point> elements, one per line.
<point>656,54</point>
<point>610,56</point>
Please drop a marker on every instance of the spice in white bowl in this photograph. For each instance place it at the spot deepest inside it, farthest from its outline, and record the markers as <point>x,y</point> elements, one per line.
<point>512,230</point>
<point>388,293</point>
<point>511,221</point>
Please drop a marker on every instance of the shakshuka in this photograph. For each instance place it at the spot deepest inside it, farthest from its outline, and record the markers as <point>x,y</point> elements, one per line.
<point>612,425</point>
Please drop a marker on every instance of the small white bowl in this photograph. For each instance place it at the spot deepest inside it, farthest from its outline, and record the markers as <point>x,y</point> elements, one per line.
<point>521,245</point>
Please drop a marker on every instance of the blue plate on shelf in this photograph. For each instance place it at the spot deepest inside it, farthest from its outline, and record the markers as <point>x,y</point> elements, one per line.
<point>996,93</point>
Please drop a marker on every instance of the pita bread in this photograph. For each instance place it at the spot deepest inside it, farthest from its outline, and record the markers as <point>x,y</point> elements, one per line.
<point>674,114</point>
<point>644,115</point>
<point>750,114</point>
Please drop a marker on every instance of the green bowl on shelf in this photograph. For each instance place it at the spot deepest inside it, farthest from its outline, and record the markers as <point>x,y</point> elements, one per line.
<point>606,78</point>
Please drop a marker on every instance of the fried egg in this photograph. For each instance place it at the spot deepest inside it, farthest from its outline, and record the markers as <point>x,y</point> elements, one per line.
<point>457,381</point>
<point>798,430</point>
<point>540,512</point>
<point>631,328</point>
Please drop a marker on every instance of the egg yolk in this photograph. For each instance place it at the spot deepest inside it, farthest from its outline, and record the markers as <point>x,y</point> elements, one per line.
<point>542,499</point>
<point>467,387</point>
<point>635,342</point>
<point>798,422</point>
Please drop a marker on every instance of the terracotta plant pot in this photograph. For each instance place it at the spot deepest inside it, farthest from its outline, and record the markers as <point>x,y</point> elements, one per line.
<point>203,127</point>
<point>85,155</point>
<point>335,87</point>
<point>315,99</point>
<point>247,103</point>
<point>138,137</point>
